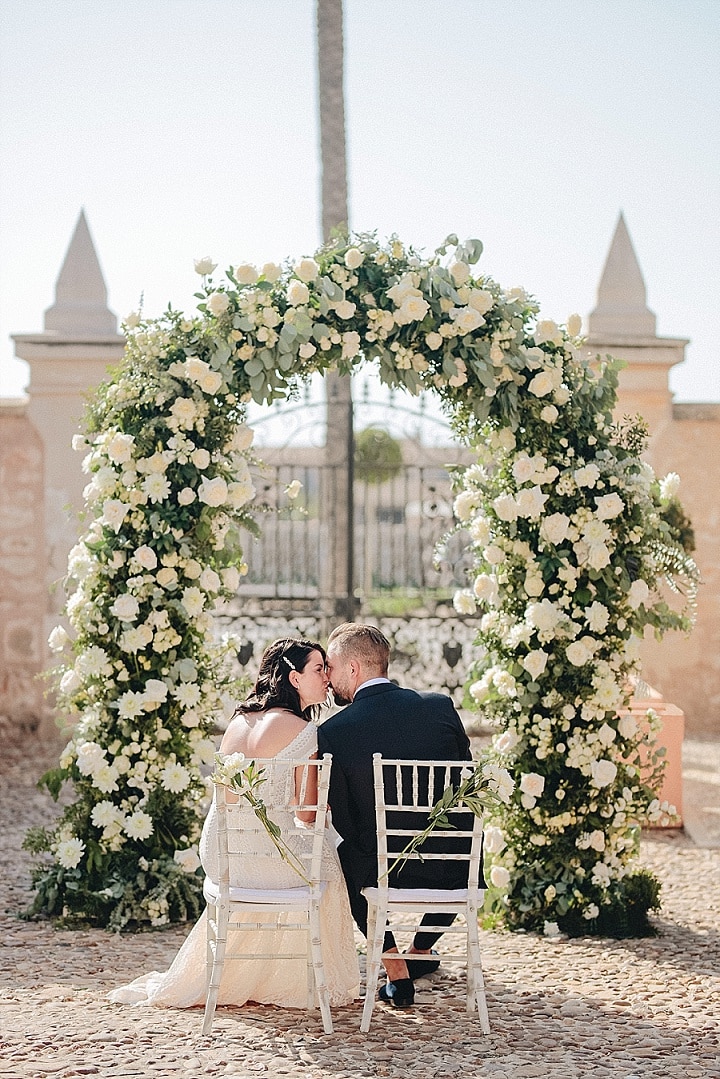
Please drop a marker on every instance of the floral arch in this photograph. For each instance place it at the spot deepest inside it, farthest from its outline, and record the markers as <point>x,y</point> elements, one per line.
<point>568,542</point>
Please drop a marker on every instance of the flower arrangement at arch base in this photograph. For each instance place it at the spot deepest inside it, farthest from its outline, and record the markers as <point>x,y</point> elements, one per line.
<point>567,538</point>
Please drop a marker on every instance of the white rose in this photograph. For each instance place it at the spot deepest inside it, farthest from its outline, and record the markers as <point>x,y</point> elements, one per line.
<point>433,340</point>
<point>186,496</point>
<point>541,384</point>
<point>132,320</point>
<point>486,589</point>
<point>466,319</point>
<point>345,309</point>
<point>506,508</point>
<point>481,300</point>
<point>70,682</point>
<point>298,293</point>
<point>155,691</point>
<point>306,350</point>
<point>114,513</point>
<point>578,654</point>
<point>271,271</point>
<point>145,557</point>
<point>246,274</point>
<point>218,303</point>
<point>193,569</point>
<point>532,784</point>
<point>464,505</point>
<point>242,438</point>
<point>204,265</point>
<point>535,663</point>
<point>460,272</point>
<point>200,458</point>
<point>307,269</point>
<point>499,876</point>
<point>627,726</point>
<point>230,578</point>
<point>547,330</point>
<point>574,325</point>
<point>353,258</point>
<point>554,528</point>
<point>293,489</point>
<point>125,608</point>
<point>597,617</point>
<point>493,839</point>
<point>213,492</point>
<point>638,594</point>
<point>545,616</point>
<point>609,506</point>
<point>210,580</point>
<point>187,859</point>
<point>603,772</point>
<point>58,639</point>
<point>350,344</point>
<point>464,602</point>
<point>119,448</point>
<point>549,414</point>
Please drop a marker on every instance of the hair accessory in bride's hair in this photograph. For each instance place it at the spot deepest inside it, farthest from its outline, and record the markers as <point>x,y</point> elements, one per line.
<point>290,664</point>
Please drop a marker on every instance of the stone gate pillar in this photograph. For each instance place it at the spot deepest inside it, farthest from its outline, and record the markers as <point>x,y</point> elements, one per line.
<point>67,359</point>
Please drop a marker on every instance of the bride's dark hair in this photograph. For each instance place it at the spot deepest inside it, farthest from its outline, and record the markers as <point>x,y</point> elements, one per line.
<point>273,688</point>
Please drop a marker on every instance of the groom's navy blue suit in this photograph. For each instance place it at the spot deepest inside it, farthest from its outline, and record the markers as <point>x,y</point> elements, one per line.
<point>397,723</point>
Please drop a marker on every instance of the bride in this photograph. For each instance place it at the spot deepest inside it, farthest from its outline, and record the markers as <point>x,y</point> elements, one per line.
<point>275,721</point>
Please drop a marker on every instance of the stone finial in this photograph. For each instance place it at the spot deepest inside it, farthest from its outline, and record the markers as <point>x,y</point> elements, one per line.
<point>622,300</point>
<point>80,308</point>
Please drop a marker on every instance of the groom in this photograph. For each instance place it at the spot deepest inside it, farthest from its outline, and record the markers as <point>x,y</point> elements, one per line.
<point>397,723</point>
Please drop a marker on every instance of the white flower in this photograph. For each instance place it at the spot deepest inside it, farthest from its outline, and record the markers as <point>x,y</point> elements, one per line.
<point>551,930</point>
<point>541,384</point>
<point>119,448</point>
<point>105,778</point>
<point>481,300</point>
<point>412,309</point>
<point>230,578</point>
<point>125,608</point>
<point>638,594</point>
<point>345,309</point>
<point>93,661</point>
<point>114,513</point>
<point>574,325</point>
<point>58,639</point>
<point>506,508</point>
<point>139,825</point>
<point>271,271</point>
<point>184,412</point>
<point>460,272</point>
<point>466,319</point>
<point>530,503</point>
<point>307,269</point>
<point>506,741</point>
<point>204,266</point>
<point>240,492</point>
<point>186,496</point>
<point>578,654</point>
<point>187,859</point>
<point>156,487</point>
<point>603,772</point>
<point>297,293</point>
<point>669,486</point>
<point>549,414</point>
<point>464,602</point>
<point>433,340</point>
<point>218,303</point>
<point>535,663</point>
<point>193,601</point>
<point>306,350</point>
<point>601,874</point>
<point>592,910</point>
<point>69,852</point>
<point>464,505</point>
<point>587,475</point>
<point>145,557</point>
<point>493,839</point>
<point>293,489</point>
<point>105,814</point>
<point>499,876</point>
<point>246,274</point>
<point>554,528</point>
<point>200,458</point>
<point>353,258</point>
<point>627,726</point>
<point>532,784</point>
<point>597,617</point>
<point>547,330</point>
<point>174,777</point>
<point>155,692</point>
<point>545,616</point>
<point>90,757</point>
<point>485,588</point>
<point>133,640</point>
<point>609,506</point>
<point>350,344</point>
<point>213,492</point>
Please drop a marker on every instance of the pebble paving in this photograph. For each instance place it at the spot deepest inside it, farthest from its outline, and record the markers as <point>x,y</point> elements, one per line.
<point>559,1009</point>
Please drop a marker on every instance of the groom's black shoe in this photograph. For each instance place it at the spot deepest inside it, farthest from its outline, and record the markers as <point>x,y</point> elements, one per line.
<point>418,968</point>
<point>401,994</point>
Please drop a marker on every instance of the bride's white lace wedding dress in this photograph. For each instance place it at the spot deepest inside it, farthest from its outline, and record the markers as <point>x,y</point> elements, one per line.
<point>281,981</point>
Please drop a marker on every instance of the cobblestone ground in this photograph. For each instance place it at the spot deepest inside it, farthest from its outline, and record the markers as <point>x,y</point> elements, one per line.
<point>596,1009</point>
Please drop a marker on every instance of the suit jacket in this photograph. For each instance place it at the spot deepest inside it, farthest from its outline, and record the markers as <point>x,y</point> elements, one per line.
<point>395,722</point>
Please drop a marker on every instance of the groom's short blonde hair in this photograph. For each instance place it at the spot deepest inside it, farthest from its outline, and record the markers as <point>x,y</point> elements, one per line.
<point>367,644</point>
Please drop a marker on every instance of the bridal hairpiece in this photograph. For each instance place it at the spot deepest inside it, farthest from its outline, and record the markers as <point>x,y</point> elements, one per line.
<point>290,664</point>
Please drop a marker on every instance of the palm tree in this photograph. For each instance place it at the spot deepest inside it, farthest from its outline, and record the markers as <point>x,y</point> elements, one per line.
<point>338,504</point>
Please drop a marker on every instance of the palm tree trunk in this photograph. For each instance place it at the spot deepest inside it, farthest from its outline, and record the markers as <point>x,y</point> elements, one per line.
<point>338,503</point>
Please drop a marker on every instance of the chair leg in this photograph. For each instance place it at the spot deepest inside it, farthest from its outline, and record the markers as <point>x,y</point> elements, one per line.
<point>321,988</point>
<point>377,921</point>
<point>475,980</point>
<point>217,924</point>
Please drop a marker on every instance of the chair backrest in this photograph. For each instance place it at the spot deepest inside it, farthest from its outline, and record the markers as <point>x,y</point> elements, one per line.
<point>405,793</point>
<point>288,788</point>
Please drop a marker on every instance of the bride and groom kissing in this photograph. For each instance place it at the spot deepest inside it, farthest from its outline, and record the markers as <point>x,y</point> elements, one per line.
<point>278,720</point>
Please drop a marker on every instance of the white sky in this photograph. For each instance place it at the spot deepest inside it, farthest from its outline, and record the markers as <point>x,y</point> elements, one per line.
<point>189,127</point>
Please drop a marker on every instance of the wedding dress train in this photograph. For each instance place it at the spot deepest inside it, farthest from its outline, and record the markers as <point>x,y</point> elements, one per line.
<point>265,981</point>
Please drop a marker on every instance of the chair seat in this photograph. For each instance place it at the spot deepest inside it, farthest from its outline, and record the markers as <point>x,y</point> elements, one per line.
<point>296,897</point>
<point>419,895</point>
